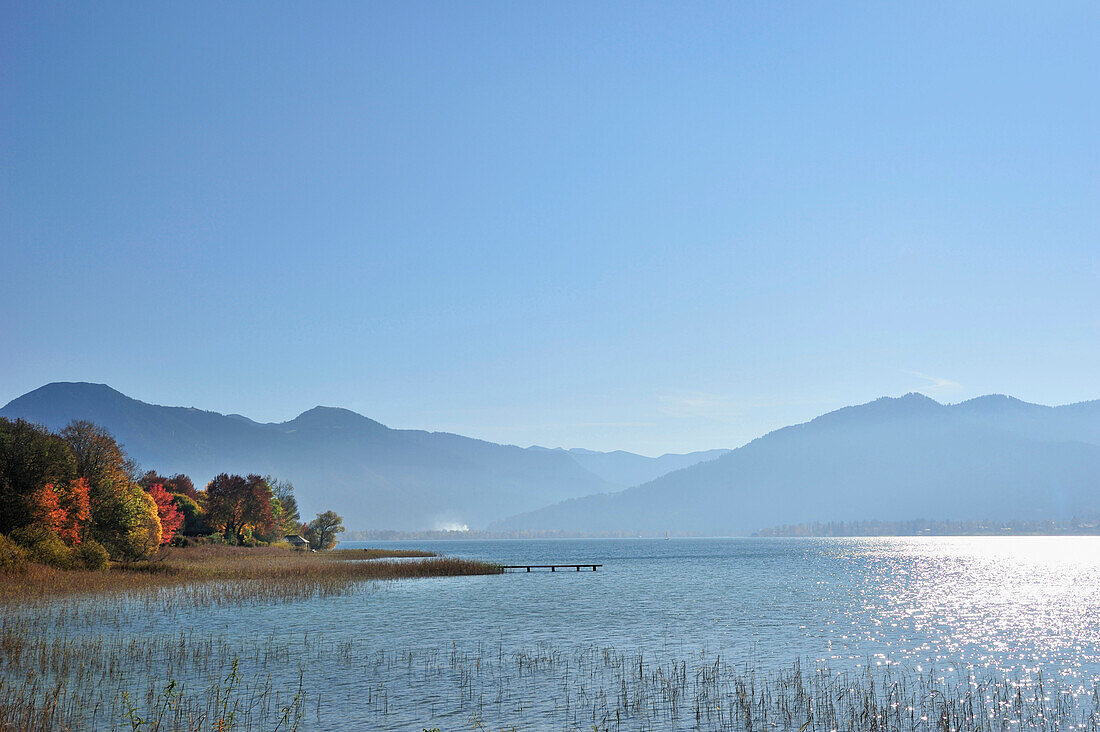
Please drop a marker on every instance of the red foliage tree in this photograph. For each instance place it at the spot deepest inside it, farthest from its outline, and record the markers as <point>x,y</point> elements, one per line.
<point>234,504</point>
<point>170,516</point>
<point>180,483</point>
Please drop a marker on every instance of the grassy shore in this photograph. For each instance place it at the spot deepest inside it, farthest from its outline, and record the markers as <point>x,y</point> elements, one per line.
<point>214,574</point>
<point>56,675</point>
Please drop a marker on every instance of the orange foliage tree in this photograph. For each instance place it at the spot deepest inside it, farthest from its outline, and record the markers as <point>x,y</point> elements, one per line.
<point>63,510</point>
<point>75,500</point>
<point>169,514</point>
<point>46,508</point>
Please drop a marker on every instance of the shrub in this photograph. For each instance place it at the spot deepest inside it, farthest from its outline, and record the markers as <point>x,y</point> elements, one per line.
<point>45,546</point>
<point>91,555</point>
<point>13,557</point>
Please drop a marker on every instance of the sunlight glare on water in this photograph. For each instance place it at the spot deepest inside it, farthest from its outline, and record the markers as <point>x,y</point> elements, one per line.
<point>1016,604</point>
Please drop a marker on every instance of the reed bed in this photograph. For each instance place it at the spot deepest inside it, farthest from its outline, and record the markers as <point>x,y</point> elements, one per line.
<point>594,688</point>
<point>216,574</point>
<point>55,677</point>
<point>172,647</point>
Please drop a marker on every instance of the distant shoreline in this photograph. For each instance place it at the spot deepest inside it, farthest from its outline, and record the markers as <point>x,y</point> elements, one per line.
<point>926,527</point>
<point>824,529</point>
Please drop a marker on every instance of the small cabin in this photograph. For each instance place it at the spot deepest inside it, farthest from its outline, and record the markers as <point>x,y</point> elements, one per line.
<point>297,541</point>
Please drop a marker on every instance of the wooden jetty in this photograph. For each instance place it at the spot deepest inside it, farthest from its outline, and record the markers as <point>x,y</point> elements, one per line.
<point>551,567</point>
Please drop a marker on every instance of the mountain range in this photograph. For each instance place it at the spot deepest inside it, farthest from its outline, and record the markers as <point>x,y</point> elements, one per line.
<point>993,457</point>
<point>892,459</point>
<point>374,476</point>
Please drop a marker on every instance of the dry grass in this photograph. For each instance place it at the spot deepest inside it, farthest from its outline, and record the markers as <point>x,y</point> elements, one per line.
<point>214,574</point>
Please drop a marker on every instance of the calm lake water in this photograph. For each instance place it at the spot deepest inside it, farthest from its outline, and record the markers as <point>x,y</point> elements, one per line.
<point>514,649</point>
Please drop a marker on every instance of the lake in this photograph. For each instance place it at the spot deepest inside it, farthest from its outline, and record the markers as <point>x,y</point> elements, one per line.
<point>551,650</point>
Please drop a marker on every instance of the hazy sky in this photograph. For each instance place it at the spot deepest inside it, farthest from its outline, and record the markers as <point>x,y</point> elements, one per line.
<point>657,227</point>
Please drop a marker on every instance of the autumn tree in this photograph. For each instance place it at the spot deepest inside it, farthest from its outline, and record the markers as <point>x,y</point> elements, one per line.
<point>184,497</point>
<point>150,478</point>
<point>30,457</point>
<point>178,483</point>
<point>62,510</point>
<point>322,530</point>
<point>75,499</point>
<point>236,506</point>
<point>124,518</point>
<point>45,509</point>
<point>133,513</point>
<point>168,513</point>
<point>73,489</point>
<point>99,458</point>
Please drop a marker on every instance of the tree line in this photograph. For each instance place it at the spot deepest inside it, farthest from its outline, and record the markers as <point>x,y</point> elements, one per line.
<point>928,527</point>
<point>75,499</point>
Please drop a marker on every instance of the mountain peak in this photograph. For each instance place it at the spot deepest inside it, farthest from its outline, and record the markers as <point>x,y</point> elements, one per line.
<point>995,400</point>
<point>332,418</point>
<point>70,389</point>
<point>909,405</point>
<point>913,402</point>
<point>55,405</point>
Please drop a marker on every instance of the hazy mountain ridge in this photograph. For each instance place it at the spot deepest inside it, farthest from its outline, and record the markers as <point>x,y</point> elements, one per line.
<point>1078,422</point>
<point>993,457</point>
<point>375,476</point>
<point>626,469</point>
<point>890,459</point>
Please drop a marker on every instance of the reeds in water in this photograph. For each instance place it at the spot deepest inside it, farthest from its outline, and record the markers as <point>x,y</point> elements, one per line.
<point>136,655</point>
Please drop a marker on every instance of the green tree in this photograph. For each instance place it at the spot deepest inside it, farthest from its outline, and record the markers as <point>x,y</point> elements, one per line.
<point>193,519</point>
<point>284,505</point>
<point>126,522</point>
<point>322,530</point>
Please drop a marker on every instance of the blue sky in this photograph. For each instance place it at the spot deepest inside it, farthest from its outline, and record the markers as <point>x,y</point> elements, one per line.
<point>656,227</point>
